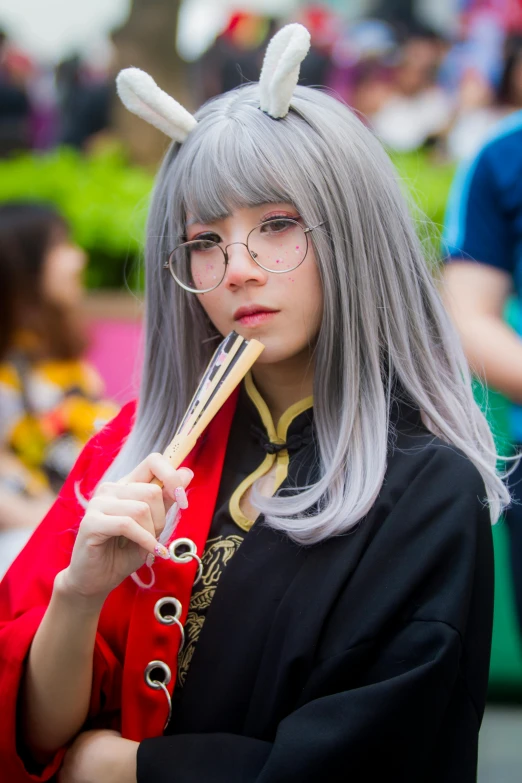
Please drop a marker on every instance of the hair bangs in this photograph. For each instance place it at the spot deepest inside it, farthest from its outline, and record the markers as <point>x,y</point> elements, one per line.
<point>226,169</point>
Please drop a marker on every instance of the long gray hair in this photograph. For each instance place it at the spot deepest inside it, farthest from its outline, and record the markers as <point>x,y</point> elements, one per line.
<point>383,318</point>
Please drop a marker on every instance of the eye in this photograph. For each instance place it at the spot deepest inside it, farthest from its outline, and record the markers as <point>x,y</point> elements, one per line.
<point>277,225</point>
<point>208,236</point>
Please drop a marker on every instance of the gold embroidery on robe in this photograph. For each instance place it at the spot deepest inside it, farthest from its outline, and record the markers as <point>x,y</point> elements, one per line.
<point>218,552</point>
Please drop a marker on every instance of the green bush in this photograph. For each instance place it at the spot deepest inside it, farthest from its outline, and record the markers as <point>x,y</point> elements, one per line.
<point>105,199</point>
<point>427,185</point>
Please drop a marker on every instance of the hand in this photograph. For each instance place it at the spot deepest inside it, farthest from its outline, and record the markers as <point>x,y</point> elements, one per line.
<point>133,508</point>
<point>99,756</point>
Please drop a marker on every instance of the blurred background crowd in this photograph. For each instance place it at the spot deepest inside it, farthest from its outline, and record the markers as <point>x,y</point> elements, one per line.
<point>420,74</point>
<point>431,79</point>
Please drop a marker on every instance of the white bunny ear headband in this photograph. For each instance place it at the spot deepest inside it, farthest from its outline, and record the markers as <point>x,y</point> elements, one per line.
<point>279,75</point>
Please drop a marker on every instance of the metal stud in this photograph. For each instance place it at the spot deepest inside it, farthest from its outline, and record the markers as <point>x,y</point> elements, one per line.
<point>170,619</point>
<point>160,685</point>
<point>191,553</point>
<point>156,684</point>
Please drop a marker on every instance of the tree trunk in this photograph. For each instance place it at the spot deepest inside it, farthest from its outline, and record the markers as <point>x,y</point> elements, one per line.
<point>148,41</point>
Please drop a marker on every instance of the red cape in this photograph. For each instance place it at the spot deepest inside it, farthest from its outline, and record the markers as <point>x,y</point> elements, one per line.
<point>129,636</point>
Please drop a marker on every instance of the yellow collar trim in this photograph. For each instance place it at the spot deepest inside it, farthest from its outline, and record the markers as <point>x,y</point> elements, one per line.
<point>277,434</point>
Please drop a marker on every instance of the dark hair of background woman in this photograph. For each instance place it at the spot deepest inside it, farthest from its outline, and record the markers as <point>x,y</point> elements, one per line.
<point>28,231</point>
<point>509,92</point>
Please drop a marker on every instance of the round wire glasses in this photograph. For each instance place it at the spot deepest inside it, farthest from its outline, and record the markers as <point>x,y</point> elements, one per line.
<point>278,246</point>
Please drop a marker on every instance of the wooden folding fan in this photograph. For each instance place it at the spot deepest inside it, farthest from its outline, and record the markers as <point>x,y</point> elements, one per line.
<point>230,363</point>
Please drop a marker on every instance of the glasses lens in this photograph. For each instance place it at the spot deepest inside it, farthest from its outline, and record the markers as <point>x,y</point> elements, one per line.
<point>198,266</point>
<point>278,245</point>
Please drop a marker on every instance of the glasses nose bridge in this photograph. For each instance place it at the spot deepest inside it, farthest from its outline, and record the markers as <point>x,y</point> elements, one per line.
<point>227,257</point>
<point>225,249</point>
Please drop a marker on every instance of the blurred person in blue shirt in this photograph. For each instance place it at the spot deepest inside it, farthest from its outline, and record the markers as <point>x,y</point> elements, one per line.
<point>483,246</point>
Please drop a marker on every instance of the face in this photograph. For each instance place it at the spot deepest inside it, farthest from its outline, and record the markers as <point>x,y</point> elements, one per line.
<point>419,65</point>
<point>62,273</point>
<point>283,311</point>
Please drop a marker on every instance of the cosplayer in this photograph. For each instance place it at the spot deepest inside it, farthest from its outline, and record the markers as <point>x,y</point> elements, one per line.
<point>310,596</point>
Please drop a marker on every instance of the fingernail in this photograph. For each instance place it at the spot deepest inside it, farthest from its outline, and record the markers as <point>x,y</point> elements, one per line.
<point>150,560</point>
<point>181,497</point>
<point>162,551</point>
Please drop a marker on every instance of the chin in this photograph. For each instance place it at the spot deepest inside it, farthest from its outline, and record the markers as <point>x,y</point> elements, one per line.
<point>274,353</point>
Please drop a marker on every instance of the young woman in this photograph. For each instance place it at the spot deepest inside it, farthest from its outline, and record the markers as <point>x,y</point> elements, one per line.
<point>324,606</point>
<point>49,395</point>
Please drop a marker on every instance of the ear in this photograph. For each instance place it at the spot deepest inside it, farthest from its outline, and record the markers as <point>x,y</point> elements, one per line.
<point>142,96</point>
<point>280,71</point>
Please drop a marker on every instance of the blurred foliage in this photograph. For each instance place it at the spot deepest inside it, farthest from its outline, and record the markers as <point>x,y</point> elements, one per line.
<point>427,183</point>
<point>427,180</point>
<point>105,199</point>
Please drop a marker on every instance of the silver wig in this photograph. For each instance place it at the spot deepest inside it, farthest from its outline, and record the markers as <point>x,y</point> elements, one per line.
<point>383,318</point>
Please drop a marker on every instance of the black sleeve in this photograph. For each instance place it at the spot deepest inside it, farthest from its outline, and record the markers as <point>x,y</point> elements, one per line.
<point>376,710</point>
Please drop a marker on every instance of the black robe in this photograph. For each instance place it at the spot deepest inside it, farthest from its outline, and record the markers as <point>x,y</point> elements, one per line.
<point>363,658</point>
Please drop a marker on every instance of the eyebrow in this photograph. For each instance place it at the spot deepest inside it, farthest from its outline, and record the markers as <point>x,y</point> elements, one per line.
<point>191,221</point>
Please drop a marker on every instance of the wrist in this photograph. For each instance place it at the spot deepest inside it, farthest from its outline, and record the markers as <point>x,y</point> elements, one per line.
<point>66,591</point>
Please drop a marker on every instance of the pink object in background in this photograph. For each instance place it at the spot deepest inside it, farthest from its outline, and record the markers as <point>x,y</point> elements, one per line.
<point>116,352</point>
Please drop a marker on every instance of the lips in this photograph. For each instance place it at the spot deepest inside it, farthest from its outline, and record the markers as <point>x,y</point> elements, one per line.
<point>250,310</point>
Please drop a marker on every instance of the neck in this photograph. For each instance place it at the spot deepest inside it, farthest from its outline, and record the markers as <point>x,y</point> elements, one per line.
<point>285,383</point>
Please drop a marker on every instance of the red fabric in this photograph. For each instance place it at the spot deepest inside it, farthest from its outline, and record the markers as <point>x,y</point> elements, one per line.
<point>129,636</point>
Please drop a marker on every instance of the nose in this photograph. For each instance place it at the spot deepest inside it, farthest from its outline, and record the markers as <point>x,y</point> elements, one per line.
<point>241,267</point>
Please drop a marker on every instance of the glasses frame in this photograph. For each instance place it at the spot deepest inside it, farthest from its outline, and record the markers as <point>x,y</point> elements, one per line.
<point>169,265</point>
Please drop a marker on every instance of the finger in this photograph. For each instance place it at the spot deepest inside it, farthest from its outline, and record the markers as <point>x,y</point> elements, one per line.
<point>126,527</point>
<point>157,466</point>
<point>138,510</point>
<point>150,494</point>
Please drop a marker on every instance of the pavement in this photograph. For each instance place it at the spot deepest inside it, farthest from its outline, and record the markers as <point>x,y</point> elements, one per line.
<point>500,745</point>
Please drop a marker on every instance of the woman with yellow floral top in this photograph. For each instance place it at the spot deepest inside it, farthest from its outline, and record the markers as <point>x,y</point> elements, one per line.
<point>49,396</point>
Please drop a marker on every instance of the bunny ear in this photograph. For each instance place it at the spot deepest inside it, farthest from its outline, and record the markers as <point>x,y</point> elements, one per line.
<point>280,71</point>
<point>142,96</point>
